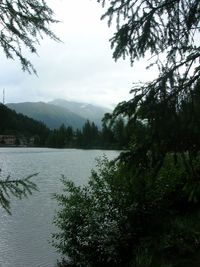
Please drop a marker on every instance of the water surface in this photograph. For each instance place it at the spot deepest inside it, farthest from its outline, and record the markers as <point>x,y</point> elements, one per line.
<point>24,236</point>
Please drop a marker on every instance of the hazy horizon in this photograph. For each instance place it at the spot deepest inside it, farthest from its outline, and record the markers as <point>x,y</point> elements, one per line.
<point>68,100</point>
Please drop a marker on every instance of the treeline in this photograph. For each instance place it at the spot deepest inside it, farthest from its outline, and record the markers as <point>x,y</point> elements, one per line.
<point>109,137</point>
<point>113,135</point>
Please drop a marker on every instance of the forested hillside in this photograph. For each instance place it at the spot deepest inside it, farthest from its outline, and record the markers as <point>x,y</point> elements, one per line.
<point>12,123</point>
<point>53,116</point>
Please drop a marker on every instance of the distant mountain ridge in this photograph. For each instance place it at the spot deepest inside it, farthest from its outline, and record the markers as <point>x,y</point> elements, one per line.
<point>53,116</point>
<point>60,111</point>
<point>88,111</point>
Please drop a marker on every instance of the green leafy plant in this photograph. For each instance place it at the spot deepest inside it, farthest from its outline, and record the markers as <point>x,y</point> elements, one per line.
<point>118,219</point>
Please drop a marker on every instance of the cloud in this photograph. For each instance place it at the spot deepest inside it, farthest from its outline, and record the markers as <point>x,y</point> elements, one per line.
<point>80,68</point>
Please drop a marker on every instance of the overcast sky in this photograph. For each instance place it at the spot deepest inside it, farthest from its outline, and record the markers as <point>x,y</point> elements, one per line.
<point>81,68</point>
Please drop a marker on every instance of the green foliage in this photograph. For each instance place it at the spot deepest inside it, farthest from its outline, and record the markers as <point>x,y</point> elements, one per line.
<point>23,24</point>
<point>15,188</point>
<point>18,124</point>
<point>143,210</point>
<point>169,104</point>
<point>89,137</point>
<point>121,220</point>
<point>63,137</point>
<point>115,132</point>
<point>163,114</point>
<point>87,218</point>
<point>168,28</point>
<point>89,134</point>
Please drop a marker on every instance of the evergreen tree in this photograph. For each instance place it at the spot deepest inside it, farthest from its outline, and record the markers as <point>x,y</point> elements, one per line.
<point>168,30</point>
<point>90,135</point>
<point>87,134</point>
<point>78,138</point>
<point>119,131</point>
<point>15,188</point>
<point>69,137</point>
<point>23,23</point>
<point>61,136</point>
<point>143,209</point>
<point>107,134</point>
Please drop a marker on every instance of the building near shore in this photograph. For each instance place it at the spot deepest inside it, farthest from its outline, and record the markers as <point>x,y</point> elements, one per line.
<point>13,140</point>
<point>9,140</point>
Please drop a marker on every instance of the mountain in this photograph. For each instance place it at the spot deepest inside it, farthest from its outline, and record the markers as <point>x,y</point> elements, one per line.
<point>88,111</point>
<point>53,116</point>
<point>12,123</point>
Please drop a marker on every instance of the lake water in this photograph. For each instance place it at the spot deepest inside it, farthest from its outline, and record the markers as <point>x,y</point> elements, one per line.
<point>25,236</point>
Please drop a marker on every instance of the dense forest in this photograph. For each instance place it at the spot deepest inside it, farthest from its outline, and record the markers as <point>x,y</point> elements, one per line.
<point>19,125</point>
<point>89,137</point>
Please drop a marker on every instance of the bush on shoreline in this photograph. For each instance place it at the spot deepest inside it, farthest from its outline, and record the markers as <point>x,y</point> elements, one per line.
<point>120,220</point>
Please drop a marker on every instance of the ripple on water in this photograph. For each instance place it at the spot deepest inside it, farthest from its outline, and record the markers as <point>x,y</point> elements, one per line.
<point>25,234</point>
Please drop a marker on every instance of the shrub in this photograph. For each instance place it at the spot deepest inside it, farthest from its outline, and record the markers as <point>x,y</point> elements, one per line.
<point>118,219</point>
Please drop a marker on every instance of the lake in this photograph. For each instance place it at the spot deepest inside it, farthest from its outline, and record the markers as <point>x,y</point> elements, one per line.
<point>25,236</point>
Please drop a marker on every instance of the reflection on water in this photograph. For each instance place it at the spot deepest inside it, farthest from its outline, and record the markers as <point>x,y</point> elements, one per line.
<point>24,235</point>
